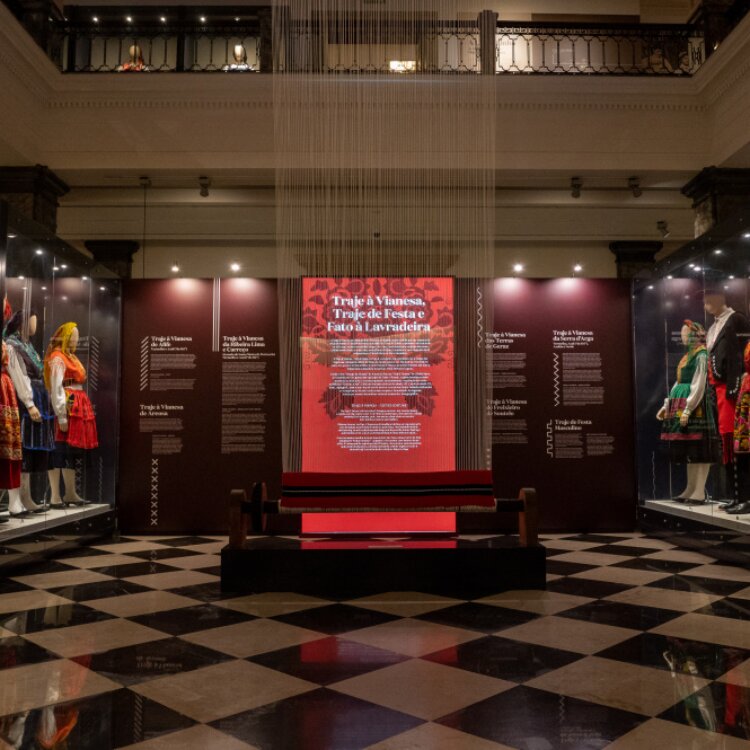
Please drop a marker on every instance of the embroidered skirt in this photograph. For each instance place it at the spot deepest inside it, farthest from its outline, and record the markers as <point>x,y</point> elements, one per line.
<point>81,432</point>
<point>696,442</point>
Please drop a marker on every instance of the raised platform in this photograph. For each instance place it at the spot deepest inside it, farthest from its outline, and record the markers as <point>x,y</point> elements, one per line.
<point>469,566</point>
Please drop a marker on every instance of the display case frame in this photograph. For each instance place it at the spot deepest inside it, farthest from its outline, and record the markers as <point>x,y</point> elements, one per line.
<point>47,282</point>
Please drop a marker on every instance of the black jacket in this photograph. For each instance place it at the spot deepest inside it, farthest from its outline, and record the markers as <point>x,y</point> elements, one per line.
<point>726,355</point>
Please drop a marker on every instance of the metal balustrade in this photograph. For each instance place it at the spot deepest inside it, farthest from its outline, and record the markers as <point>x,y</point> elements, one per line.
<point>177,41</point>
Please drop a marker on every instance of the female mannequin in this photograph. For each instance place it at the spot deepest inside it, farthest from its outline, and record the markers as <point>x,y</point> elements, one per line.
<point>37,419</point>
<point>135,63</point>
<point>64,376</point>
<point>687,422</point>
<point>10,441</point>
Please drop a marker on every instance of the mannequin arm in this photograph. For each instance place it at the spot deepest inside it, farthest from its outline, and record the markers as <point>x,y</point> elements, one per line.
<point>57,392</point>
<point>20,379</point>
<point>697,385</point>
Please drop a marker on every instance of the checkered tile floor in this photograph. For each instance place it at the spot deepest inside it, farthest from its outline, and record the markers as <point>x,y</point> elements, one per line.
<point>635,644</point>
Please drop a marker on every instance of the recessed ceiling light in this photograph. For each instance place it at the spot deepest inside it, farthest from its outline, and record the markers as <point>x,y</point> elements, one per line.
<point>697,268</point>
<point>670,277</point>
<point>745,236</point>
<point>175,268</point>
<point>39,251</point>
<point>63,266</point>
<point>650,286</point>
<point>577,268</point>
<point>84,278</point>
<point>518,267</point>
<point>55,268</point>
<point>102,288</point>
<point>95,19</point>
<point>203,19</point>
<point>21,278</point>
<point>44,288</point>
<point>129,19</point>
<point>731,277</point>
<point>234,267</point>
<point>163,19</point>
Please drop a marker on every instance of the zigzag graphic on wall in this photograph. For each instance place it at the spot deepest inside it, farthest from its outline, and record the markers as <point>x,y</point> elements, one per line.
<point>556,377</point>
<point>144,362</point>
<point>94,359</point>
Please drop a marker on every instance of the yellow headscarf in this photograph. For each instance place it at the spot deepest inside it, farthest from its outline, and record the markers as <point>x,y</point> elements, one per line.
<point>60,342</point>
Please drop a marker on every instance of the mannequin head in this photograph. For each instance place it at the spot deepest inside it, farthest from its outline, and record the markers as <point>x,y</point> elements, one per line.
<point>692,334</point>
<point>714,302</point>
<point>22,325</point>
<point>31,328</point>
<point>136,55</point>
<point>73,341</point>
<point>240,56</point>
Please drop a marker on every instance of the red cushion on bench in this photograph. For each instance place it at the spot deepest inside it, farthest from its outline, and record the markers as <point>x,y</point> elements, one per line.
<point>425,491</point>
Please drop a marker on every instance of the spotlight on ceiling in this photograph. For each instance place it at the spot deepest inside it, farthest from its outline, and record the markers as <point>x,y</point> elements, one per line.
<point>205,184</point>
<point>518,267</point>
<point>577,268</point>
<point>634,185</point>
<point>663,228</point>
<point>234,266</point>
<point>576,183</point>
<point>175,268</point>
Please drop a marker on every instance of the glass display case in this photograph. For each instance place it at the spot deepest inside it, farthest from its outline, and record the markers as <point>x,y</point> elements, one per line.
<point>692,374</point>
<point>58,392</point>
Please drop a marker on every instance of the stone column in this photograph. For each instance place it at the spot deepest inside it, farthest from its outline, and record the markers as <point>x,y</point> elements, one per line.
<point>34,191</point>
<point>487,21</point>
<point>117,255</point>
<point>635,259</point>
<point>716,193</point>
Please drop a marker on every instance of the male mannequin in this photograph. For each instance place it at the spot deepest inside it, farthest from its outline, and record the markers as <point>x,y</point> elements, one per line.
<point>240,59</point>
<point>725,371</point>
<point>135,63</point>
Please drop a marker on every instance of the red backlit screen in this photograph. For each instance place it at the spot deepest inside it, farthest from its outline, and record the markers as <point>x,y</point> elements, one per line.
<point>378,374</point>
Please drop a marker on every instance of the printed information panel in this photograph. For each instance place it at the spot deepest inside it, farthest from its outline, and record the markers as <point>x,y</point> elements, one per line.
<point>378,375</point>
<point>562,401</point>
<point>200,400</point>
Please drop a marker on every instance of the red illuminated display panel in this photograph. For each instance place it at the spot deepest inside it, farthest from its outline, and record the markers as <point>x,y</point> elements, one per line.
<point>378,374</point>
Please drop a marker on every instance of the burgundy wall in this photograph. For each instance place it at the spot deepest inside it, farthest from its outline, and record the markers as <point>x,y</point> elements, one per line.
<point>175,477</point>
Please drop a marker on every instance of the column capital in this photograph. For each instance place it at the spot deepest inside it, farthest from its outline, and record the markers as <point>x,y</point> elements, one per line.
<point>635,259</point>
<point>117,255</point>
<point>34,191</point>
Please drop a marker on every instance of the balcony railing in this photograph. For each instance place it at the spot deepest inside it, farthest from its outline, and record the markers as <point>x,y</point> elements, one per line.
<point>239,40</point>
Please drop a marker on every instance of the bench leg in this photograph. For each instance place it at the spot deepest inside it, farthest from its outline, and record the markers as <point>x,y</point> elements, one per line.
<point>258,498</point>
<point>528,518</point>
<point>237,519</point>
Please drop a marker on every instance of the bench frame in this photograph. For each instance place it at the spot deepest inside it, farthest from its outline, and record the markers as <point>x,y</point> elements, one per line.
<point>249,516</point>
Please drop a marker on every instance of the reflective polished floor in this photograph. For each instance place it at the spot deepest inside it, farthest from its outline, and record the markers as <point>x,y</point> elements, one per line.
<point>635,644</point>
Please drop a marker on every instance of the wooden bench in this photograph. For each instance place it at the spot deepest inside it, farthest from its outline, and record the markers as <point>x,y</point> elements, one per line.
<point>434,492</point>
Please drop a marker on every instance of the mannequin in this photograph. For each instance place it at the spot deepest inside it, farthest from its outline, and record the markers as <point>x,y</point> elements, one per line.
<point>742,440</point>
<point>135,63</point>
<point>686,416</point>
<point>10,442</point>
<point>37,419</point>
<point>75,436</point>
<point>240,59</point>
<point>724,374</point>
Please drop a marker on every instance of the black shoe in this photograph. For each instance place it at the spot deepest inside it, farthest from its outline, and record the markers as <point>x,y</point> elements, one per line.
<point>740,508</point>
<point>22,514</point>
<point>730,507</point>
<point>4,517</point>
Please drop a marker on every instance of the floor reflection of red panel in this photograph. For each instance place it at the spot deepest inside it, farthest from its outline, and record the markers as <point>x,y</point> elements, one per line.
<point>314,544</point>
<point>423,522</point>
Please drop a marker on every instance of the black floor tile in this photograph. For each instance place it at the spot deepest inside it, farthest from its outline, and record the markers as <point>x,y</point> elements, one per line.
<point>563,568</point>
<point>146,661</point>
<point>51,618</point>
<point>677,655</point>
<point>16,651</point>
<point>718,707</point>
<point>80,552</point>
<point>482,617</point>
<point>328,660</point>
<point>319,720</point>
<point>104,722</point>
<point>205,592</point>
<point>700,585</point>
<point>185,541</point>
<point>213,571</point>
<point>130,570</point>
<point>47,566</point>
<point>99,590</point>
<point>662,566</point>
<point>335,619</point>
<point>622,615</point>
<point>583,587</point>
<point>191,619</point>
<point>502,658</point>
<point>524,717</point>
<point>8,586</point>
<point>163,554</point>
<point>738,609</point>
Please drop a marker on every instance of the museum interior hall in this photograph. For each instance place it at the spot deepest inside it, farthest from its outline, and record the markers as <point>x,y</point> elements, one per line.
<point>375,374</point>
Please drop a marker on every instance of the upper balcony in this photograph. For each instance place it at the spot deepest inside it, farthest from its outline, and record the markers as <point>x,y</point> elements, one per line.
<point>240,39</point>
